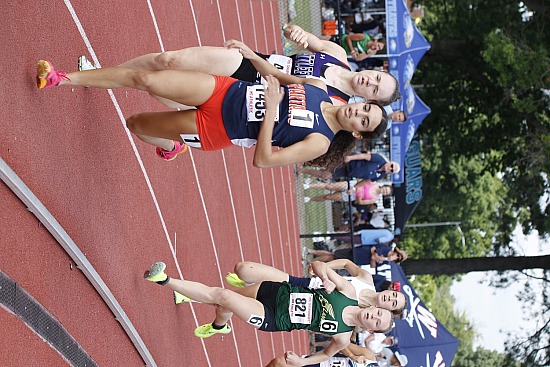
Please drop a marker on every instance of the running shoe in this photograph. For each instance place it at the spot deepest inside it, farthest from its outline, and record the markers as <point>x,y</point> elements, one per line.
<point>156,273</point>
<point>46,76</point>
<point>207,330</point>
<point>169,156</point>
<point>234,280</point>
<point>180,298</point>
<point>85,64</point>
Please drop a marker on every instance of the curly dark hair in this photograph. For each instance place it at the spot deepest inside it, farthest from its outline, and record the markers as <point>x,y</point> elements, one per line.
<point>344,142</point>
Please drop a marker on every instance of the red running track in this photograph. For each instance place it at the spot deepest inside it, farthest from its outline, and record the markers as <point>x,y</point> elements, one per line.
<point>120,204</point>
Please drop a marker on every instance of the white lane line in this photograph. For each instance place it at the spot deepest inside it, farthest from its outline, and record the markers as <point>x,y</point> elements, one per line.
<point>287,241</point>
<point>279,222</point>
<point>295,245</point>
<point>270,248</point>
<point>267,51</point>
<point>231,197</point>
<point>276,31</point>
<point>240,25</point>
<point>134,148</point>
<point>156,25</point>
<point>252,205</point>
<point>254,27</point>
<point>195,22</point>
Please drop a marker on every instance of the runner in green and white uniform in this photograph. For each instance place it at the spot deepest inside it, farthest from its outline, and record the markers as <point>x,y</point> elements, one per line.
<point>272,306</point>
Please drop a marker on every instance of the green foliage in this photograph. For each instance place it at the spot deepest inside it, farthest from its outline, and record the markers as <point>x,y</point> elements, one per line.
<point>486,149</point>
<point>484,79</point>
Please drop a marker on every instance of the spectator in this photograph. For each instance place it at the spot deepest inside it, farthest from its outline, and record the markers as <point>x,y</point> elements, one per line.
<point>362,195</point>
<point>398,116</point>
<point>360,46</point>
<point>387,358</point>
<point>364,166</point>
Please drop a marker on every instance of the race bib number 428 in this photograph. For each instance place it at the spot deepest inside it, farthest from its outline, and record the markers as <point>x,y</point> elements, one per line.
<point>255,104</point>
<point>300,308</point>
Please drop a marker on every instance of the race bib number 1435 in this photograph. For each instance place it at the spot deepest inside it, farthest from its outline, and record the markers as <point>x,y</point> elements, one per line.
<point>255,104</point>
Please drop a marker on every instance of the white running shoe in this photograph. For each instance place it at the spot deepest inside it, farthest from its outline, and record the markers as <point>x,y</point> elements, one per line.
<point>85,64</point>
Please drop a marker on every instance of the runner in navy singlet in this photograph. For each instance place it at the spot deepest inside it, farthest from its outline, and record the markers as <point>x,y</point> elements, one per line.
<point>298,117</point>
<point>327,61</point>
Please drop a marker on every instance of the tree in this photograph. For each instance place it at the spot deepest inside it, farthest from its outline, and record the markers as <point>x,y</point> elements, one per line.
<point>486,145</point>
<point>485,80</point>
<point>466,265</point>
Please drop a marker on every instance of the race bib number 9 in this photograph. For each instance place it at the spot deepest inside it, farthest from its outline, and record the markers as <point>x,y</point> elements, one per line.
<point>255,104</point>
<point>300,308</point>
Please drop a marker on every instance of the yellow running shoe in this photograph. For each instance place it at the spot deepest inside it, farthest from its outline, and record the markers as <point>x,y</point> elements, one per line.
<point>234,280</point>
<point>180,298</point>
<point>156,273</point>
<point>206,330</point>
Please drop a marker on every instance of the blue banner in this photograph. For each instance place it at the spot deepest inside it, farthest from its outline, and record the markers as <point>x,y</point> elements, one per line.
<point>421,337</point>
<point>409,193</point>
<point>401,134</point>
<point>406,46</point>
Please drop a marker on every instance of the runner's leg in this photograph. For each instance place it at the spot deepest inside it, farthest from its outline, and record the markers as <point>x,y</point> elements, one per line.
<point>206,59</point>
<point>251,272</point>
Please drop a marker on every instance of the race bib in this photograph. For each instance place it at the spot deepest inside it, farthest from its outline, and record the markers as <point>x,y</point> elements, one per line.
<point>255,104</point>
<point>338,362</point>
<point>328,326</point>
<point>283,63</point>
<point>301,118</point>
<point>300,308</point>
<point>191,140</point>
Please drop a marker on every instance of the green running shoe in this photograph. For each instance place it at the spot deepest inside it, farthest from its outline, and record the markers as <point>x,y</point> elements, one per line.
<point>234,280</point>
<point>180,298</point>
<point>206,330</point>
<point>156,273</point>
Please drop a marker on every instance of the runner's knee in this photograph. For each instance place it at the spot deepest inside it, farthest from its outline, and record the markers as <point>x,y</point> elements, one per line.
<point>133,123</point>
<point>220,296</point>
<point>241,267</point>
<point>142,79</point>
<point>170,60</point>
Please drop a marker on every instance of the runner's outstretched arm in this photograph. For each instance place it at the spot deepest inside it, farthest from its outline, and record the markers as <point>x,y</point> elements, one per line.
<point>312,43</point>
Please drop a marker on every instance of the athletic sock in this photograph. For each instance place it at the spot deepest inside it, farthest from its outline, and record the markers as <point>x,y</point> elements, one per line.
<point>163,282</point>
<point>298,282</point>
<point>217,327</point>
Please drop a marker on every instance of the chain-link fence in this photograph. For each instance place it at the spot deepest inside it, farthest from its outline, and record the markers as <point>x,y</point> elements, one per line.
<point>329,224</point>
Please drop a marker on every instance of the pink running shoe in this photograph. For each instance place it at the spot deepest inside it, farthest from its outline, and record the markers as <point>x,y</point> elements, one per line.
<point>169,156</point>
<point>46,76</point>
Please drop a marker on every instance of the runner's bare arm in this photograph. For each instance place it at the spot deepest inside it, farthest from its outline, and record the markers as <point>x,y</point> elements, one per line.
<point>313,145</point>
<point>263,67</point>
<point>352,268</point>
<point>339,342</point>
<point>313,43</point>
<point>343,286</point>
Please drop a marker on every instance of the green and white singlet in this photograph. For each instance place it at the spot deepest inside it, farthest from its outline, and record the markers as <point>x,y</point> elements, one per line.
<point>311,309</point>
